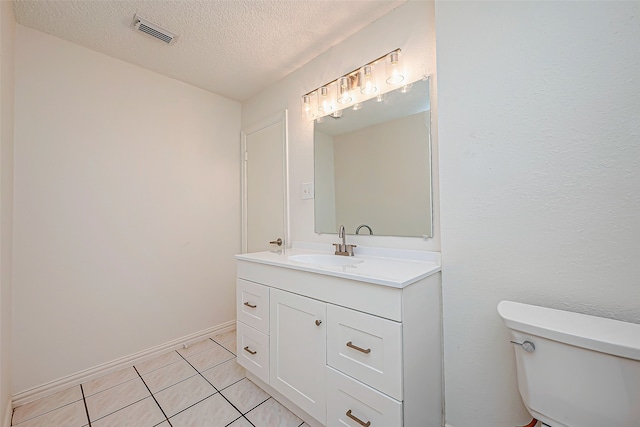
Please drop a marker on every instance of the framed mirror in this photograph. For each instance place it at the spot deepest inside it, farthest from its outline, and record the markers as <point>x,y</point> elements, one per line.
<point>373,166</point>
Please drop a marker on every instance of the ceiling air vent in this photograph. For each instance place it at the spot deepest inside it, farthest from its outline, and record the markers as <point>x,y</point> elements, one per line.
<point>153,30</point>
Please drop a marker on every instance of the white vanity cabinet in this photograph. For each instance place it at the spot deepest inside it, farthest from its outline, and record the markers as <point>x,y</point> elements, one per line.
<point>342,351</point>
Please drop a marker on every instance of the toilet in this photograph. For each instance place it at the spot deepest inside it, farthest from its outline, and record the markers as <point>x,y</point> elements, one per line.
<point>575,370</point>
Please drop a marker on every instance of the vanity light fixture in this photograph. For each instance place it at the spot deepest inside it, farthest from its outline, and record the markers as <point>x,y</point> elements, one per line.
<point>367,78</point>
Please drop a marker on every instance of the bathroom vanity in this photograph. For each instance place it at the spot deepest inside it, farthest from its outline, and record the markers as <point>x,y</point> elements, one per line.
<point>344,341</point>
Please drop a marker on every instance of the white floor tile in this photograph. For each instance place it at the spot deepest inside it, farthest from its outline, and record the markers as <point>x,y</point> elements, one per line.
<point>46,404</point>
<point>115,398</point>
<point>214,411</point>
<point>107,381</point>
<point>184,394</point>
<point>231,346</point>
<point>210,357</point>
<point>224,336</point>
<point>240,422</point>
<point>168,375</point>
<point>158,362</point>
<point>145,413</point>
<point>196,347</point>
<point>273,414</point>
<point>245,395</point>
<point>225,374</point>
<point>72,415</point>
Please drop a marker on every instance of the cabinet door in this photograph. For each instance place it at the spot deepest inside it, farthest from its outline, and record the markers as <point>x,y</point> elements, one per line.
<point>298,351</point>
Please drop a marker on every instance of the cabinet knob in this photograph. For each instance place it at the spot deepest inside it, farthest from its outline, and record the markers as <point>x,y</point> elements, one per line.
<point>358,420</point>
<point>318,322</point>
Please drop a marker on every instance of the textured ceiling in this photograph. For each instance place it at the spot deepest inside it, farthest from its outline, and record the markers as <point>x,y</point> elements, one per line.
<point>233,48</point>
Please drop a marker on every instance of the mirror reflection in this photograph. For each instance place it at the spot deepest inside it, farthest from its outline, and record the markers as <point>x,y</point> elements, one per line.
<point>373,166</point>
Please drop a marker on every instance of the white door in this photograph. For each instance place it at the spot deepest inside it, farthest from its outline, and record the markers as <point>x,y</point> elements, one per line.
<point>264,185</point>
<point>298,349</point>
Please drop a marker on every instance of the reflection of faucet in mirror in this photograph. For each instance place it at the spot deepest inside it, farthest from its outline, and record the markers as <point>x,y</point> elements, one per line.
<point>343,248</point>
<point>365,226</point>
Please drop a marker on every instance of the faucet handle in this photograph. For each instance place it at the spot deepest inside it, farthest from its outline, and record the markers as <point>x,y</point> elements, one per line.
<point>338,247</point>
<point>349,249</point>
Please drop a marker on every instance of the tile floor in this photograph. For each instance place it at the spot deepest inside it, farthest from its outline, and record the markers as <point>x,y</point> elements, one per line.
<point>200,386</point>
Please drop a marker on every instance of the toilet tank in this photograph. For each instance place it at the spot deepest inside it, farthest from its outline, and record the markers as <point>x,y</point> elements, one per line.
<point>584,371</point>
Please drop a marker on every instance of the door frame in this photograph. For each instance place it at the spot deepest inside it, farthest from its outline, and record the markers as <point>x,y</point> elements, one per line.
<point>282,118</point>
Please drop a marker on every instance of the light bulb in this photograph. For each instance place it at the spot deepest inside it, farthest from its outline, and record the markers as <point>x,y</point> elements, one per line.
<point>368,83</point>
<point>324,101</point>
<point>394,68</point>
<point>344,95</point>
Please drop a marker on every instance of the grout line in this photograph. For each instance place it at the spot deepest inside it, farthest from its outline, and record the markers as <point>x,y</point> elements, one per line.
<point>214,387</point>
<point>86,409</point>
<point>154,398</point>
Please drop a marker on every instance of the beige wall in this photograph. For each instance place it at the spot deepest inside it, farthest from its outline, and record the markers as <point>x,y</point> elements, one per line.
<point>410,27</point>
<point>384,177</point>
<point>540,172</point>
<point>7,35</point>
<point>127,209</point>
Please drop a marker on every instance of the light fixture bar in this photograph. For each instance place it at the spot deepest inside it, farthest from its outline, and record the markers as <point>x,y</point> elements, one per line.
<point>357,70</point>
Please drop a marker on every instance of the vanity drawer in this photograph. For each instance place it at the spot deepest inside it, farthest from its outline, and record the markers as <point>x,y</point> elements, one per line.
<point>349,400</point>
<point>253,305</point>
<point>253,351</point>
<point>366,347</point>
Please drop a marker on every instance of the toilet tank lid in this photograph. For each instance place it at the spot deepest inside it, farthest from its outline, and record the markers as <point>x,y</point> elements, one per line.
<point>591,332</point>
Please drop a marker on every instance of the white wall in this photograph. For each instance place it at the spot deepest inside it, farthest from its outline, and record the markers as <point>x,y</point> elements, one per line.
<point>127,209</point>
<point>540,171</point>
<point>409,27</point>
<point>7,36</point>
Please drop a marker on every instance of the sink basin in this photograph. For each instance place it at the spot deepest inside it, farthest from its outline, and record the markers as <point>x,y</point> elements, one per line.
<point>325,259</point>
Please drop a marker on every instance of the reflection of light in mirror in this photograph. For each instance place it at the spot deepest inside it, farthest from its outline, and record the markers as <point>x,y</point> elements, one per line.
<point>337,114</point>
<point>320,119</point>
<point>357,106</point>
<point>406,88</point>
<point>381,97</point>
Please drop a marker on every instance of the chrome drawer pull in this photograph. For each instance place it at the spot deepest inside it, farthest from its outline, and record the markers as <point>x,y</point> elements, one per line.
<point>358,420</point>
<point>355,347</point>
<point>250,305</point>
<point>248,350</point>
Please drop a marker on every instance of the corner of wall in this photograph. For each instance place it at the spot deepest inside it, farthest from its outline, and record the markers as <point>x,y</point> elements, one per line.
<point>7,37</point>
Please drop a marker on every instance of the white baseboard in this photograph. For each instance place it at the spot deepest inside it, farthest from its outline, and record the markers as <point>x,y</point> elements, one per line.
<point>78,378</point>
<point>8,414</point>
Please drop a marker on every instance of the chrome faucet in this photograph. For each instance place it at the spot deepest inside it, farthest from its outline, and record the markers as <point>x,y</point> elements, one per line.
<point>365,226</point>
<point>343,248</point>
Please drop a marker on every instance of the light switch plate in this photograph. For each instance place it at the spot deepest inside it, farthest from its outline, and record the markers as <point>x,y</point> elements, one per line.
<point>307,190</point>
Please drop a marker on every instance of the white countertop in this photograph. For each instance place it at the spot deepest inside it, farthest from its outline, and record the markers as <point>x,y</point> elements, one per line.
<point>396,269</point>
